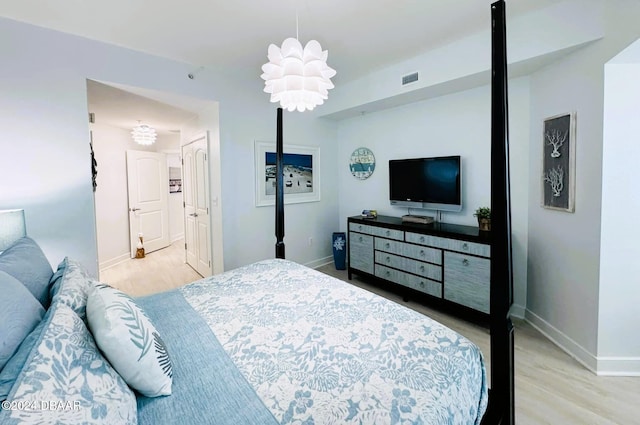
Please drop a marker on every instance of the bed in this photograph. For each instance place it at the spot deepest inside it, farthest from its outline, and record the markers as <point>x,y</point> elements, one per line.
<point>271,342</point>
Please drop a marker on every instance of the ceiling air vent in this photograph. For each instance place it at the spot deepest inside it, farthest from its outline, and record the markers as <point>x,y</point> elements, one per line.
<point>409,78</point>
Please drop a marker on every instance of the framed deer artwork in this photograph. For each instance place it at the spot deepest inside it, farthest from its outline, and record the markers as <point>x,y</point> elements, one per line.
<point>558,162</point>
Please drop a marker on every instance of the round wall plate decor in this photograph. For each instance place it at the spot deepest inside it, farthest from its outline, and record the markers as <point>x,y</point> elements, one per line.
<point>362,163</point>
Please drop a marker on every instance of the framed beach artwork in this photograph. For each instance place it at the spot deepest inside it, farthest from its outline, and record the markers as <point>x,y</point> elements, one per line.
<point>558,162</point>
<point>301,173</point>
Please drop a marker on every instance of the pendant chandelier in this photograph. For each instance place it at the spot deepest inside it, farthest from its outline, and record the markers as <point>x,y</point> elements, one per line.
<point>297,78</point>
<point>144,134</point>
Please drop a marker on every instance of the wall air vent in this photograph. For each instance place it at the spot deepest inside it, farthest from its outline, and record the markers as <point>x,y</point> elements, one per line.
<point>409,78</point>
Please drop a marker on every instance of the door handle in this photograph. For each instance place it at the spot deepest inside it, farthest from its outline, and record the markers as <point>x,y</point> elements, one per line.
<point>193,215</point>
<point>134,209</point>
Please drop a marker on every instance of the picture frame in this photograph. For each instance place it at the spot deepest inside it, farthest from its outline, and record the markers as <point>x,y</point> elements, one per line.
<point>301,163</point>
<point>175,180</point>
<point>558,162</point>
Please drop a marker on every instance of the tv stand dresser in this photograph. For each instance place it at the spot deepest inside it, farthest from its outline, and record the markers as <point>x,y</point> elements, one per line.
<point>448,263</point>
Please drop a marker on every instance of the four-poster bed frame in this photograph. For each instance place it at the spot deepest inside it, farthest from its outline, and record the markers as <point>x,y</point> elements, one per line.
<point>280,309</point>
<point>501,408</point>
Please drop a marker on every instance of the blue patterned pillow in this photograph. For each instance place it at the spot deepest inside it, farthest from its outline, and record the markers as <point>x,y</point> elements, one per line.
<point>65,369</point>
<point>12,369</point>
<point>129,341</point>
<point>25,261</point>
<point>70,284</point>
<point>20,312</point>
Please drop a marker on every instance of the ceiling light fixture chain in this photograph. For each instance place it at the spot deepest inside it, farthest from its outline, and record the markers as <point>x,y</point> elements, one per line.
<point>297,27</point>
<point>298,78</point>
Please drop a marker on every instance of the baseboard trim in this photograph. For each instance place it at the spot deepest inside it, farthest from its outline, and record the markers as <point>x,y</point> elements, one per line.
<point>319,262</point>
<point>114,261</point>
<point>177,237</point>
<point>618,366</point>
<point>564,342</point>
<point>601,366</point>
<point>517,311</point>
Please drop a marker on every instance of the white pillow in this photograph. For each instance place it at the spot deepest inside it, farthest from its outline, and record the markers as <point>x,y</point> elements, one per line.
<point>129,341</point>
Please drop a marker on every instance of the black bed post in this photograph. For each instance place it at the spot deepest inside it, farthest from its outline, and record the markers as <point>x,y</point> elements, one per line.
<point>501,408</point>
<point>279,189</point>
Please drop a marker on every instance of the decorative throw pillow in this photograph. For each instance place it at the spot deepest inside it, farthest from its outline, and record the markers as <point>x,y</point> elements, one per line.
<point>71,284</point>
<point>129,341</point>
<point>65,370</point>
<point>9,374</point>
<point>20,312</point>
<point>25,261</point>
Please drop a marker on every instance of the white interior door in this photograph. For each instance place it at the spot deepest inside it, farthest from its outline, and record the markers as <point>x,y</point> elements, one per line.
<point>148,187</point>
<point>195,188</point>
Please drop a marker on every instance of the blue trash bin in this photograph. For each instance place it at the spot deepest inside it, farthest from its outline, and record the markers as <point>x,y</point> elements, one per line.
<point>340,250</point>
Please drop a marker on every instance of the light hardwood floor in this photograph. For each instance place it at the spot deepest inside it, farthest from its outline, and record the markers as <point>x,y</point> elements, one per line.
<point>551,387</point>
<point>157,271</point>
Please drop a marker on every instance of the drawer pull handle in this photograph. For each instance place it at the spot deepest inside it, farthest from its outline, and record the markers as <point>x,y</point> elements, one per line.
<point>465,262</point>
<point>421,238</point>
<point>387,245</point>
<point>421,268</point>
<point>422,283</point>
<point>422,252</point>
<point>465,246</point>
<point>359,227</point>
<point>388,233</point>
<point>388,273</point>
<point>388,259</point>
<point>360,238</point>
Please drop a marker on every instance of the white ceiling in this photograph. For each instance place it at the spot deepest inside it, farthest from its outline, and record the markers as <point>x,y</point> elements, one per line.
<point>122,108</point>
<point>360,35</point>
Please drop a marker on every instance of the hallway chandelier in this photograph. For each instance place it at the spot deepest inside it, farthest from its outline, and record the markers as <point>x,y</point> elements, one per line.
<point>297,78</point>
<point>144,134</point>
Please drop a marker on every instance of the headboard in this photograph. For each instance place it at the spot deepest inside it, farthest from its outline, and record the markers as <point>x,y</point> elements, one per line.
<point>12,227</point>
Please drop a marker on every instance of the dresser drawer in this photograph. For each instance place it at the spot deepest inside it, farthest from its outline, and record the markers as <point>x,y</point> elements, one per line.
<point>388,233</point>
<point>427,240</point>
<point>361,228</point>
<point>421,253</point>
<point>408,265</point>
<point>388,245</point>
<point>467,247</point>
<point>411,281</point>
<point>361,252</point>
<point>389,260</point>
<point>467,280</point>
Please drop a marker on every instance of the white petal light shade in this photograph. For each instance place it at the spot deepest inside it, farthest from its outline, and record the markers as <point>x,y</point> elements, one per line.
<point>297,78</point>
<point>144,135</point>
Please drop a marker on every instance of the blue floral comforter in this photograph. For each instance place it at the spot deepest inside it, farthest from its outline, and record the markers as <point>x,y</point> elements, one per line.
<point>317,350</point>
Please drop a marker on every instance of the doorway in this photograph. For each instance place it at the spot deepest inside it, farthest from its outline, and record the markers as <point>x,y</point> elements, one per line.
<point>148,194</point>
<point>197,224</point>
<point>116,109</point>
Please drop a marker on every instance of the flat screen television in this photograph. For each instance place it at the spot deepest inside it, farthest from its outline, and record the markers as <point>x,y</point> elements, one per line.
<point>429,183</point>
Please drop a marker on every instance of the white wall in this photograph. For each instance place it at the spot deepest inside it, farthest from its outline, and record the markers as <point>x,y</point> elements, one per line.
<point>111,200</point>
<point>619,292</point>
<point>564,249</point>
<point>45,144</point>
<point>456,124</point>
<point>250,230</point>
